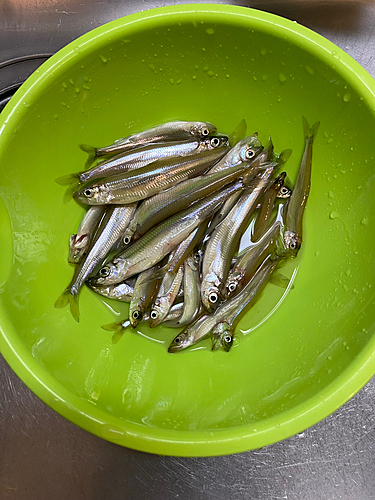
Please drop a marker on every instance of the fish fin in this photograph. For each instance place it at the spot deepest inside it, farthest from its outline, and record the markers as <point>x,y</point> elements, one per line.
<point>67,180</point>
<point>280,280</point>
<point>91,151</point>
<point>62,299</point>
<point>310,133</point>
<point>68,298</point>
<point>158,274</point>
<point>68,195</point>
<point>238,133</point>
<point>119,329</point>
<point>284,156</point>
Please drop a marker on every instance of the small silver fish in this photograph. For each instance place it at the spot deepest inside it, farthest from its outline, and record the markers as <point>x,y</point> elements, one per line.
<point>171,131</point>
<point>117,220</point>
<point>298,199</point>
<point>120,291</point>
<point>79,243</point>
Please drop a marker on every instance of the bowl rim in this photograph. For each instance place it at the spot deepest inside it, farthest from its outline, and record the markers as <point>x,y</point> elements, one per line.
<point>156,440</point>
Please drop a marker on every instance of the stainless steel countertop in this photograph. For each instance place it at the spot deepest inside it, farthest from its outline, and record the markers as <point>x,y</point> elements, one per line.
<point>44,457</point>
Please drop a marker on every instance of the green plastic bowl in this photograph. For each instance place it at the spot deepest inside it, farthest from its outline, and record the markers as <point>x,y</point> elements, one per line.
<point>195,62</point>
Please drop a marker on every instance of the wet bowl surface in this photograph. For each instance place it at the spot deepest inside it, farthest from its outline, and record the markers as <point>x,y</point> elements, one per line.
<point>298,355</point>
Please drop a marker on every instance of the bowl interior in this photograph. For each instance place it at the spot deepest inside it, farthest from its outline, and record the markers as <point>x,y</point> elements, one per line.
<point>219,64</point>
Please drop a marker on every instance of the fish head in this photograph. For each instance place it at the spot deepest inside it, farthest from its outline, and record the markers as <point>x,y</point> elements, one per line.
<point>135,314</point>
<point>284,192</point>
<point>202,129</point>
<point>232,283</point>
<point>222,337</point>
<point>180,342</point>
<point>113,272</point>
<point>159,311</point>
<point>210,297</point>
<point>292,242</point>
<point>93,195</point>
<point>278,183</point>
<point>249,148</point>
<point>127,237</point>
<point>78,246</point>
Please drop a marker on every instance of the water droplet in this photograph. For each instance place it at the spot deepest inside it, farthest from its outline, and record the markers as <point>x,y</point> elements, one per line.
<point>103,58</point>
<point>171,81</point>
<point>76,49</point>
<point>255,78</point>
<point>309,70</point>
<point>210,73</point>
<point>345,287</point>
<point>263,52</point>
<point>86,87</point>
<point>205,68</point>
<point>348,272</point>
<point>179,81</point>
<point>334,214</point>
<point>56,116</point>
<point>329,140</point>
<point>65,85</point>
<point>152,68</point>
<point>77,90</point>
<point>346,97</point>
<point>203,48</point>
<point>329,358</point>
<point>226,76</point>
<point>343,171</point>
<point>26,104</point>
<point>71,81</point>
<point>282,78</point>
<point>196,66</point>
<point>329,371</point>
<point>331,195</point>
<point>264,78</point>
<point>364,221</point>
<point>210,31</point>
<point>194,77</point>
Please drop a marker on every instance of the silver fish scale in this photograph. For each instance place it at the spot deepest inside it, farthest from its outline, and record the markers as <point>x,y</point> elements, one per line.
<point>139,158</point>
<point>111,233</point>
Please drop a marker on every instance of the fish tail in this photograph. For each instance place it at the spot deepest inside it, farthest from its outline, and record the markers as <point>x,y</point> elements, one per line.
<point>72,181</point>
<point>238,133</point>
<point>119,329</point>
<point>91,151</point>
<point>158,274</point>
<point>68,195</point>
<point>284,156</point>
<point>280,280</point>
<point>310,133</point>
<point>68,298</point>
<point>67,180</point>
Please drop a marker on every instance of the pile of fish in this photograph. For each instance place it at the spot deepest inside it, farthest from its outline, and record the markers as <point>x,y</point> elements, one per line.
<point>168,208</point>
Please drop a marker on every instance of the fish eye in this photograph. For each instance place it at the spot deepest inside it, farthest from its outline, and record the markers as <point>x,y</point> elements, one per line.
<point>104,271</point>
<point>232,287</point>
<point>250,153</point>
<point>215,142</point>
<point>213,297</point>
<point>205,131</point>
<point>127,240</point>
<point>284,190</point>
<point>227,338</point>
<point>293,245</point>
<point>153,315</point>
<point>89,193</point>
<point>136,315</point>
<point>177,340</point>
